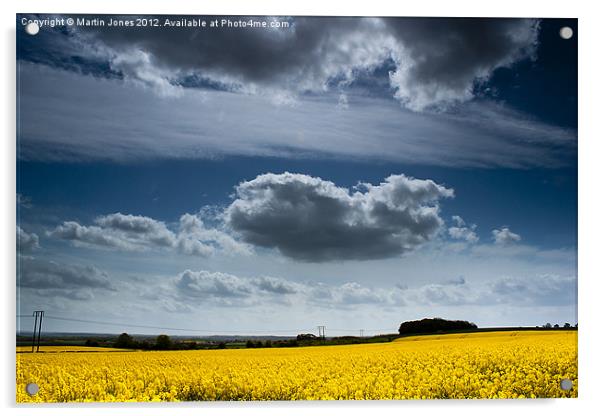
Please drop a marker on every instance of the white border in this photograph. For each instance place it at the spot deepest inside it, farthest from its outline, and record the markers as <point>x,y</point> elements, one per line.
<point>589,194</point>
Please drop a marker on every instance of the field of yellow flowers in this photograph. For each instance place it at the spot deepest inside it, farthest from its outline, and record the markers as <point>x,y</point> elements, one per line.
<point>480,365</point>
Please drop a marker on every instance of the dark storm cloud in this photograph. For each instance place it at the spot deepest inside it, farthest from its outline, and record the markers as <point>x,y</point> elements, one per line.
<point>43,275</point>
<point>309,52</point>
<point>435,60</point>
<point>448,54</point>
<point>311,219</point>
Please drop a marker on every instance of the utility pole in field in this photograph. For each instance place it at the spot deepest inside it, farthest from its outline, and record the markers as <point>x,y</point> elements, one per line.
<point>361,333</point>
<point>37,330</point>
<point>322,332</point>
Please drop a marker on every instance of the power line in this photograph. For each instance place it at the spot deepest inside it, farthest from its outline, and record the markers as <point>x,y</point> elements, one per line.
<point>365,330</point>
<point>172,328</point>
<point>321,329</point>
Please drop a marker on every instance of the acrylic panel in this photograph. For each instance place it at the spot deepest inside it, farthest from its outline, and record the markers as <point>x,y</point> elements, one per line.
<point>295,208</point>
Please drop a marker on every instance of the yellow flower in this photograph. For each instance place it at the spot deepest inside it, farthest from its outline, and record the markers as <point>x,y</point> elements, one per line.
<point>479,365</point>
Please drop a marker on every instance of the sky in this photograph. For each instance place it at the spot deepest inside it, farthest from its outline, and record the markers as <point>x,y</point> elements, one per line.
<point>347,172</point>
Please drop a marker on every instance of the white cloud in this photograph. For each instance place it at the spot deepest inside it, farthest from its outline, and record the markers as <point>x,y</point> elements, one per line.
<point>543,289</point>
<point>24,201</point>
<point>463,232</point>
<point>137,65</point>
<point>311,219</point>
<point>477,135</point>
<point>194,235</point>
<point>458,221</point>
<point>504,236</point>
<point>194,247</point>
<point>275,285</point>
<point>117,231</point>
<point>205,287</point>
<point>354,293</point>
<point>139,233</point>
<point>535,290</point>
<point>67,280</point>
<point>26,242</point>
<point>137,230</point>
<point>439,294</point>
<point>343,102</point>
<point>216,287</point>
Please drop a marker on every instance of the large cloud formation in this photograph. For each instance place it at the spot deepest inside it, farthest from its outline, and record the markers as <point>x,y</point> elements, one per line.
<point>441,58</point>
<point>57,279</point>
<point>202,124</point>
<point>139,233</point>
<point>206,287</point>
<point>434,60</point>
<point>310,219</point>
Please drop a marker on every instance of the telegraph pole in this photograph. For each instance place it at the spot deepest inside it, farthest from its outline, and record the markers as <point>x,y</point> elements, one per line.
<point>361,333</point>
<point>322,332</point>
<point>37,330</point>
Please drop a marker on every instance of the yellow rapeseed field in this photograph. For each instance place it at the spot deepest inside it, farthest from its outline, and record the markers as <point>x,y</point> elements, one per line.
<point>70,348</point>
<point>481,365</point>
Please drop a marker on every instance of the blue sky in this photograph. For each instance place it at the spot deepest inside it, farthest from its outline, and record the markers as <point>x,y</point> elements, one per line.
<point>429,174</point>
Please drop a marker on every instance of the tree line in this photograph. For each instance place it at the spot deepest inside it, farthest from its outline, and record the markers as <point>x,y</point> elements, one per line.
<point>422,326</point>
<point>164,342</point>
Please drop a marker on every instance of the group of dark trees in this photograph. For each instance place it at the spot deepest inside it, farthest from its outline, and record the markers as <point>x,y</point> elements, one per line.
<point>556,326</point>
<point>433,326</point>
<point>439,325</point>
<point>269,344</point>
<point>258,344</point>
<point>306,337</point>
<point>162,342</point>
<point>92,343</point>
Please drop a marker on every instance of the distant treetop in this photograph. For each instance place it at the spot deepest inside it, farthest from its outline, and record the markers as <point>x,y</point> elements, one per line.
<point>433,325</point>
